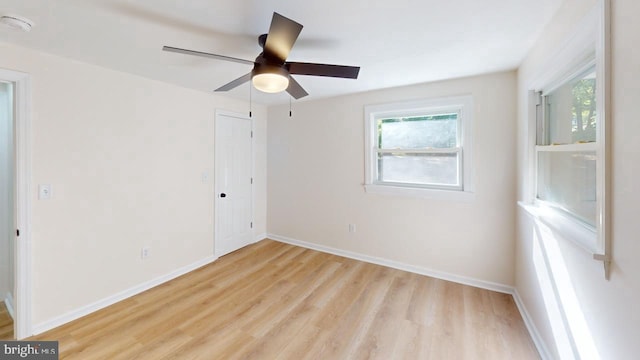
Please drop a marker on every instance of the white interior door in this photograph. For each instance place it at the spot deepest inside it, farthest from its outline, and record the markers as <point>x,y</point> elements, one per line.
<point>233,183</point>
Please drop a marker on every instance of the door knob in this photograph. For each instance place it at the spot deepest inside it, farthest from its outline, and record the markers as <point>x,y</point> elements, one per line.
<point>223,195</point>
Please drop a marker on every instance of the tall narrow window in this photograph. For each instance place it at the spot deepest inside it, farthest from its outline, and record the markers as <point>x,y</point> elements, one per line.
<point>567,150</point>
<point>569,101</point>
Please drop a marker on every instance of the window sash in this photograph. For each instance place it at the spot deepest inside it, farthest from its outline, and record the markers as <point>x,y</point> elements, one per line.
<point>568,148</point>
<point>420,151</point>
<point>415,113</point>
<point>430,185</point>
<point>591,146</point>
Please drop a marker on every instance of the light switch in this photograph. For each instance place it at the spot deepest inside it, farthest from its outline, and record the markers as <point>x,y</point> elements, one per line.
<point>44,191</point>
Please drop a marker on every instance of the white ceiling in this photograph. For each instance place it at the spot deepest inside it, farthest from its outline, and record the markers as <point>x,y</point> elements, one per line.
<point>395,42</point>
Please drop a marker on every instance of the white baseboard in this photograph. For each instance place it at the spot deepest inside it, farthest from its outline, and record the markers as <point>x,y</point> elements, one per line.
<point>8,302</point>
<point>100,304</point>
<point>397,265</point>
<point>260,237</point>
<point>533,331</point>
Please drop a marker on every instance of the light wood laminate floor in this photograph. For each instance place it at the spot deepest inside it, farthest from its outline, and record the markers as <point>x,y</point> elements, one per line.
<point>6,323</point>
<point>276,301</point>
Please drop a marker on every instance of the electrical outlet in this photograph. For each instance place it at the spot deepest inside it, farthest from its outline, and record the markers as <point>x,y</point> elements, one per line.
<point>145,253</point>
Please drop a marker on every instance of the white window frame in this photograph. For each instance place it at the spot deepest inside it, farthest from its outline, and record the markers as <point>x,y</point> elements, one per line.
<point>589,234</point>
<point>588,45</point>
<point>463,106</point>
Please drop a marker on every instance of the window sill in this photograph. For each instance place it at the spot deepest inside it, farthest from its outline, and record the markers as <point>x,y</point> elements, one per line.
<point>451,195</point>
<point>567,228</point>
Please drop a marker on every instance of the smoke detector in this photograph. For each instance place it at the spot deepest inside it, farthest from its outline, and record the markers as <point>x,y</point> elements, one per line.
<point>16,22</point>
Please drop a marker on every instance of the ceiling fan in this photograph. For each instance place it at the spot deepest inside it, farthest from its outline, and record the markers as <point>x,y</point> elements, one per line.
<point>271,71</point>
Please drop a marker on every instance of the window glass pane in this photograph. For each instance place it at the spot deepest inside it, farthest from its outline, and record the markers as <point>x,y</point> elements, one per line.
<point>418,132</point>
<point>568,180</point>
<point>572,111</point>
<point>433,169</point>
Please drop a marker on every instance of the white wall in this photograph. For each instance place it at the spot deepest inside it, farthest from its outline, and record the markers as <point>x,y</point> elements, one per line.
<point>316,175</point>
<point>610,308</point>
<point>124,156</point>
<point>6,191</point>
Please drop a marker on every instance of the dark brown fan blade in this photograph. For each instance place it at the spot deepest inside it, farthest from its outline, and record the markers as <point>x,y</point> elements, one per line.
<point>235,83</point>
<point>340,71</point>
<point>295,89</point>
<point>282,35</point>
<point>204,54</point>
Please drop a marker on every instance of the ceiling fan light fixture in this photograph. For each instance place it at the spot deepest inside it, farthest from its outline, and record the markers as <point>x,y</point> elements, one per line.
<point>270,79</point>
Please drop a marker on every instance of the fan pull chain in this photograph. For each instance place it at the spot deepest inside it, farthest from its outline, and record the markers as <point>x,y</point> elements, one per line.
<point>289,106</point>
<point>250,100</point>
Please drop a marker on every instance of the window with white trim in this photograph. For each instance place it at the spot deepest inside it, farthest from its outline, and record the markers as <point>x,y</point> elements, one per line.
<point>570,118</point>
<point>567,147</point>
<point>421,146</point>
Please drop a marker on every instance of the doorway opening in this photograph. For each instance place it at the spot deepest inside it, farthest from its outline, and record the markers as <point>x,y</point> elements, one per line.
<point>15,232</point>
<point>7,210</point>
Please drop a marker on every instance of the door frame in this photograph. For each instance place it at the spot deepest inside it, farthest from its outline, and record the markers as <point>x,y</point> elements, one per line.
<point>22,200</point>
<point>233,114</point>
